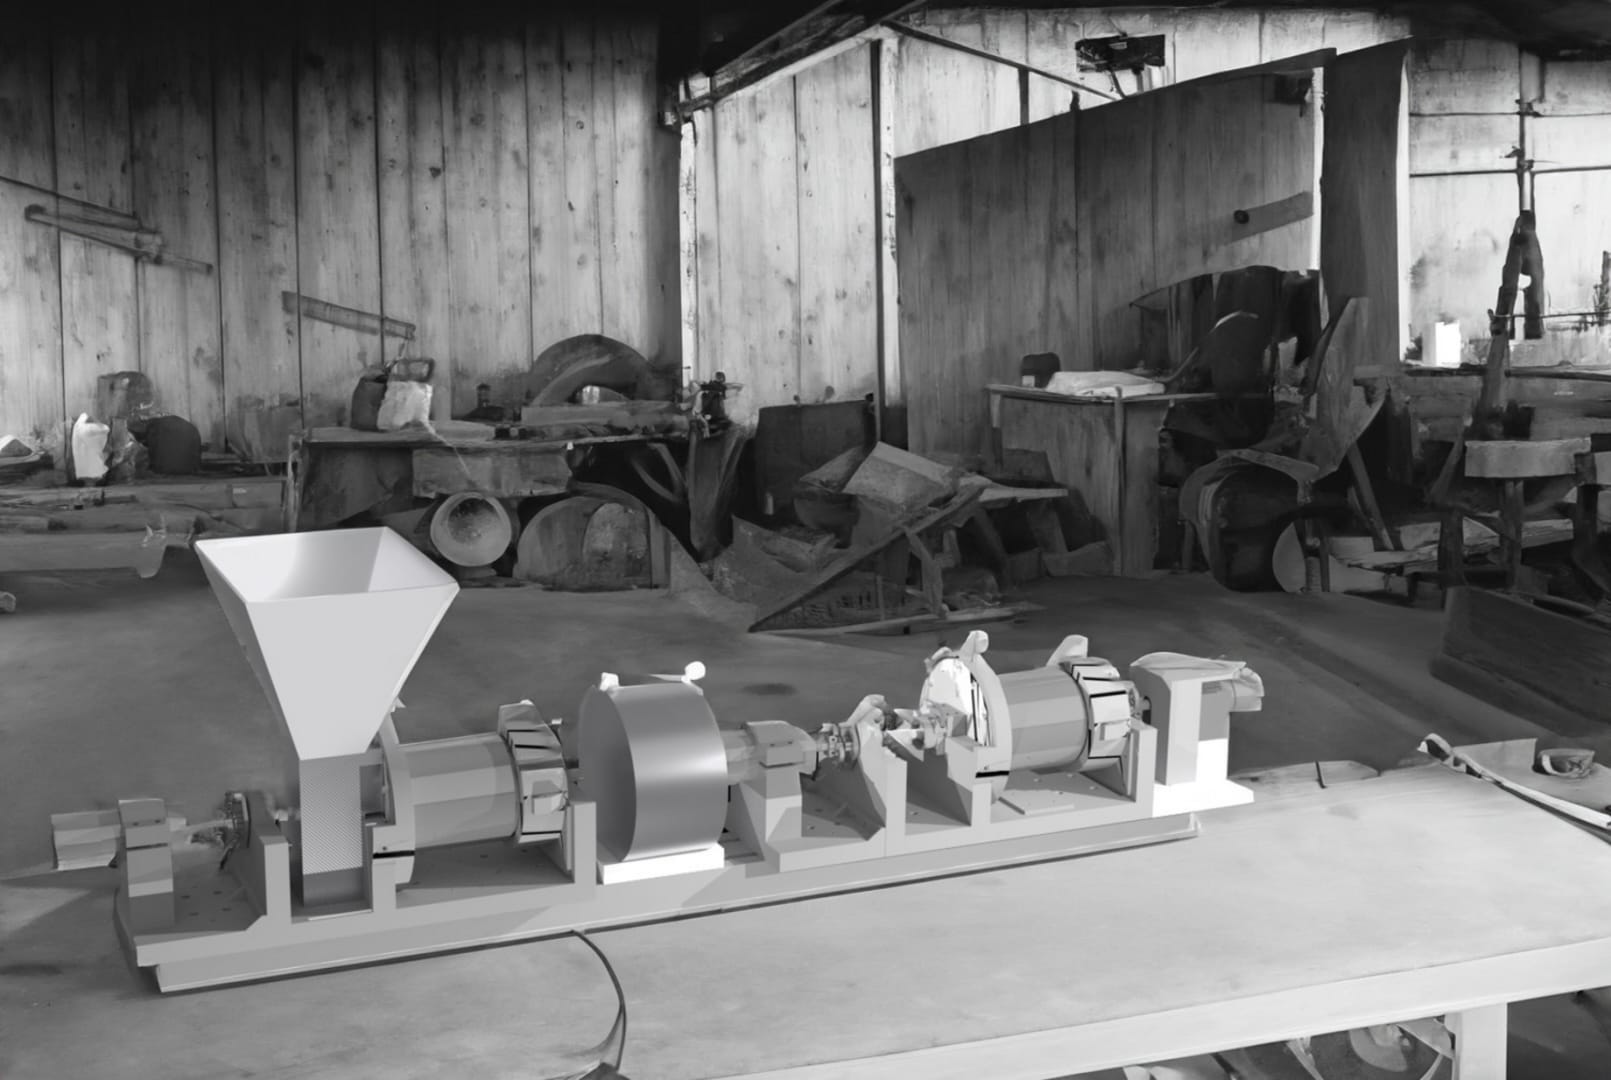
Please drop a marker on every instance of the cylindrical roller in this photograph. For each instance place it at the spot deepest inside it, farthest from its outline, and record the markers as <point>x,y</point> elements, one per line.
<point>654,763</point>
<point>463,790</point>
<point>1050,728</point>
<point>471,529</point>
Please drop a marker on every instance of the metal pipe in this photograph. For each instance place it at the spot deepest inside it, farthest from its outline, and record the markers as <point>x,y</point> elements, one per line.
<point>1512,172</point>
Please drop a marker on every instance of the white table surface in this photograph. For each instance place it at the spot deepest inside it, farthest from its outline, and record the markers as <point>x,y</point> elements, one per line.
<point>1390,899</point>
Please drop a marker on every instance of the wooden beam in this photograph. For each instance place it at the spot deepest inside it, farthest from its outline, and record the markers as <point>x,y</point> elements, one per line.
<point>1500,646</point>
<point>761,79</point>
<point>1594,468</point>
<point>885,54</point>
<point>364,322</point>
<point>749,74</point>
<point>1509,459</point>
<point>777,36</point>
<point>1271,216</point>
<point>947,43</point>
<point>688,248</point>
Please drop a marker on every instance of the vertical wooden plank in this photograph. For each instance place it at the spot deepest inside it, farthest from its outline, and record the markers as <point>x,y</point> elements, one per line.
<point>1139,513</point>
<point>1293,33</point>
<point>1007,275</point>
<point>760,264</point>
<point>607,171</point>
<point>660,238</point>
<point>581,304</point>
<point>886,65</point>
<point>1114,176</point>
<point>489,224</point>
<point>171,100</point>
<point>707,245</point>
<point>1360,254</point>
<point>30,281</point>
<point>936,205</point>
<point>338,216</point>
<point>631,277</point>
<point>688,246</point>
<point>413,190</point>
<point>100,317</point>
<point>1083,445</point>
<point>945,96</point>
<point>553,272</point>
<point>838,189</point>
<point>1209,42</point>
<point>1057,144</point>
<point>1049,39</point>
<point>257,244</point>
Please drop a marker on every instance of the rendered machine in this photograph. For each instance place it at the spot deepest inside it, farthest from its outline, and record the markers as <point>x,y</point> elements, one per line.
<point>643,807</point>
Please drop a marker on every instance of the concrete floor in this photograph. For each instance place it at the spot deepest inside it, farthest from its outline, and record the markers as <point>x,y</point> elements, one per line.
<point>118,687</point>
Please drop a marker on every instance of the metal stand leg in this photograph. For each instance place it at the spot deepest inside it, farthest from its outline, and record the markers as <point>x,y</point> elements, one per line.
<point>1480,1036</point>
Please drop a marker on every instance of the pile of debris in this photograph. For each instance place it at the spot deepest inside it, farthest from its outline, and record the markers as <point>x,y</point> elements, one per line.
<point>883,540</point>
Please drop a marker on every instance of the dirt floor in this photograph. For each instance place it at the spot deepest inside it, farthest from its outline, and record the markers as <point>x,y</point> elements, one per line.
<point>116,687</point>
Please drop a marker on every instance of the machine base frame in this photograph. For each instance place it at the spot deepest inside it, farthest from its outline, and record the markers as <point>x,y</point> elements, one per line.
<point>495,893</point>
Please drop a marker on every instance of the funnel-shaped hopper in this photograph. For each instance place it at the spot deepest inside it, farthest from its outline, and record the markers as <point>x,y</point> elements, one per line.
<point>332,622</point>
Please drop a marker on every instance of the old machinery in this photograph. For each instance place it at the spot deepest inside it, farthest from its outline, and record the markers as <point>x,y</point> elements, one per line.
<point>646,805</point>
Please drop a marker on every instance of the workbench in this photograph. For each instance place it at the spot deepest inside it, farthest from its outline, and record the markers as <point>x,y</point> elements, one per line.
<point>338,472</point>
<point>1103,449</point>
<point>1421,893</point>
<point>128,525</point>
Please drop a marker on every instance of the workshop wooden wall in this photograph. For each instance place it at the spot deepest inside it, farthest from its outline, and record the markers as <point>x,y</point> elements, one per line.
<point>1364,189</point>
<point>1466,137</point>
<point>786,258</point>
<point>1040,239</point>
<point>495,177</point>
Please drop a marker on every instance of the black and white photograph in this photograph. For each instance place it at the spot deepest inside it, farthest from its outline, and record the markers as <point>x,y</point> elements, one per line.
<point>816,540</point>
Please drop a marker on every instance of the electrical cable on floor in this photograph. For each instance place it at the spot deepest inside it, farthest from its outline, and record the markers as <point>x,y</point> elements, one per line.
<point>609,1051</point>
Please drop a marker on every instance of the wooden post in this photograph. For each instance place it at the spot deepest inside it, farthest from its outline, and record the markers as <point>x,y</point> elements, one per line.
<point>1451,550</point>
<point>688,248</point>
<point>884,55</point>
<point>1513,511</point>
<point>1122,473</point>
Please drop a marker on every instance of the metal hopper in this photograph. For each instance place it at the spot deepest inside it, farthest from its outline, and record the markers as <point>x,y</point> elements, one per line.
<point>332,623</point>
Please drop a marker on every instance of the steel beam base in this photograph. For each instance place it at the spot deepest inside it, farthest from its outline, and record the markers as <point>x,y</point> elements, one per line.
<point>236,926</point>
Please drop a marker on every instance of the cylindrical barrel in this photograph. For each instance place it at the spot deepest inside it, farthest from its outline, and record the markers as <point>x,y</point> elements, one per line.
<point>471,529</point>
<point>653,760</point>
<point>1050,728</point>
<point>463,790</point>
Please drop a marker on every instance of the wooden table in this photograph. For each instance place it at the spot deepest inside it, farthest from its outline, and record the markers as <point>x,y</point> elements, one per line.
<point>337,472</point>
<point>1421,893</point>
<point>1105,449</point>
<point>130,525</point>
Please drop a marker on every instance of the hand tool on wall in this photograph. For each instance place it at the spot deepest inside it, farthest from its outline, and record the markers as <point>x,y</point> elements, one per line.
<point>364,322</point>
<point>123,232</point>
